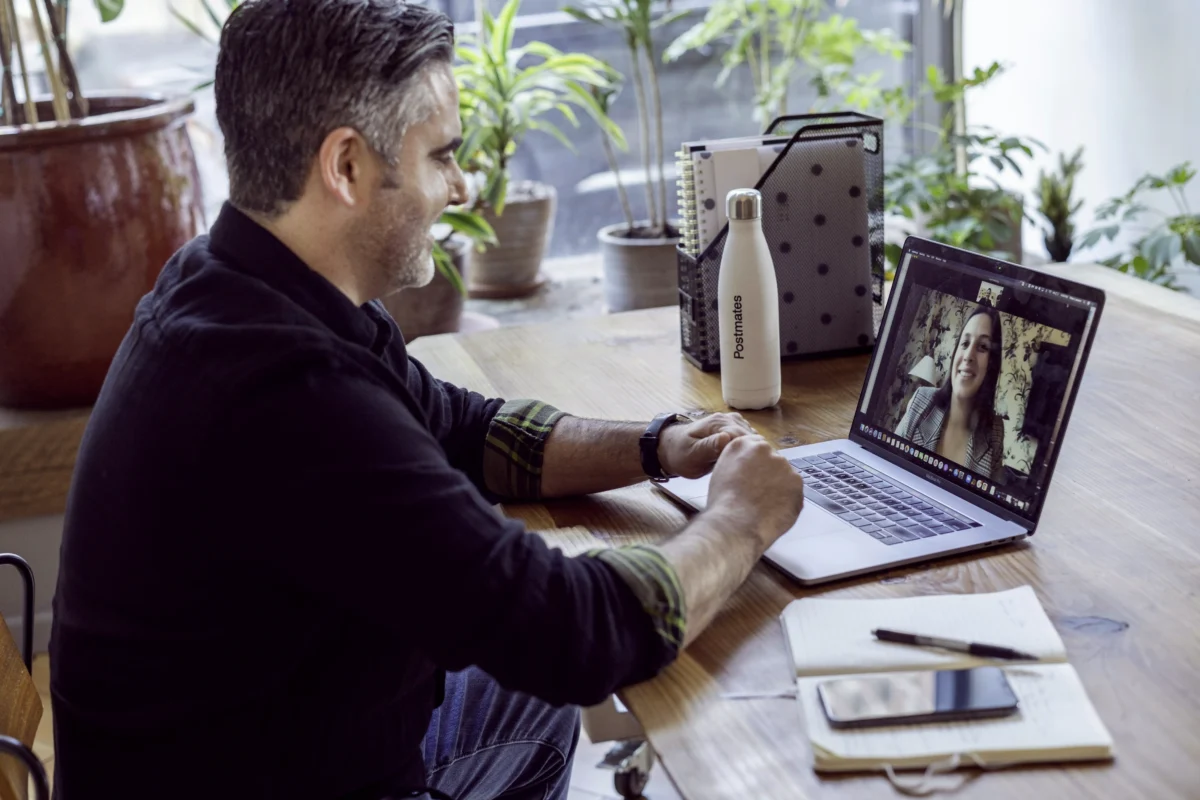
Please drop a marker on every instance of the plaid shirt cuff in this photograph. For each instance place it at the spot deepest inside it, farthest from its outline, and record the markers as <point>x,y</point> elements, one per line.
<point>654,582</point>
<point>515,447</point>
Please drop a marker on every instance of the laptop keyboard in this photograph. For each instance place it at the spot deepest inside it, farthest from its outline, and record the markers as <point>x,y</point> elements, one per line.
<point>885,511</point>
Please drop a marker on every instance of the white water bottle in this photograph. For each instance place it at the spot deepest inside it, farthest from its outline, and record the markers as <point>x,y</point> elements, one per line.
<point>748,305</point>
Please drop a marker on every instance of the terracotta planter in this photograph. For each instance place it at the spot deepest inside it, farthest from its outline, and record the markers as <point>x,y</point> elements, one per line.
<point>510,268</point>
<point>437,307</point>
<point>89,213</point>
<point>638,273</point>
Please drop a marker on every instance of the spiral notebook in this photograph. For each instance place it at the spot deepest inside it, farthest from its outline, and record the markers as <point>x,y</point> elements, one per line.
<point>1055,720</point>
<point>709,171</point>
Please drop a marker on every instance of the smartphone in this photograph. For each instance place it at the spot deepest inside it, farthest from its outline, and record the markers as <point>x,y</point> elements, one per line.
<point>917,697</point>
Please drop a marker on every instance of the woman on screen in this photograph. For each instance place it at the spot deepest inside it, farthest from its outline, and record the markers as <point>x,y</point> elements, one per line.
<point>958,419</point>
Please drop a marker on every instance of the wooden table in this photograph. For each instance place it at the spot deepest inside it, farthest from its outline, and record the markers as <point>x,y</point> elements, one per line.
<point>1115,561</point>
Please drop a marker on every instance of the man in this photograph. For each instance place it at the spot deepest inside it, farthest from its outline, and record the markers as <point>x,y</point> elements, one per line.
<point>282,572</point>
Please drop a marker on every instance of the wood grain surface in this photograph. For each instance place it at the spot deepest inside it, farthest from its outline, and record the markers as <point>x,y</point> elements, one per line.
<point>20,712</point>
<point>37,457</point>
<point>1115,560</point>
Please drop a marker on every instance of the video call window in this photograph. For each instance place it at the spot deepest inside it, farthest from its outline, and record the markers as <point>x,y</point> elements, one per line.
<point>977,372</point>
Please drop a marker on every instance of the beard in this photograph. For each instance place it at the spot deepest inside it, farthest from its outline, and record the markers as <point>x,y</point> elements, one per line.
<point>396,246</point>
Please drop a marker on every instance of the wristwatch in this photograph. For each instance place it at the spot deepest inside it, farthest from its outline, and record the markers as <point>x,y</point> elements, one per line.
<point>649,445</point>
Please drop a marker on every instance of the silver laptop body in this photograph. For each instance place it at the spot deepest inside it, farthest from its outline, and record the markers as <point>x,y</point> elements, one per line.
<point>874,500</point>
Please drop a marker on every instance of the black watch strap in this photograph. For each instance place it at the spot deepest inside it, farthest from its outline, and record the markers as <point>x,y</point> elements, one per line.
<point>649,445</point>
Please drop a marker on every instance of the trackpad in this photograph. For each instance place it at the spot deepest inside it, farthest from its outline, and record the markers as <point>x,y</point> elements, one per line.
<point>814,521</point>
<point>814,558</point>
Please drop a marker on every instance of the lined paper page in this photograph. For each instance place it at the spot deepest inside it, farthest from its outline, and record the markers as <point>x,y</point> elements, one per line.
<point>1055,722</point>
<point>831,637</point>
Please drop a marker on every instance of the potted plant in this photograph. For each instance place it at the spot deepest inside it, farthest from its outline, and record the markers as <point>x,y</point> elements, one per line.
<point>1163,249</point>
<point>640,267</point>
<point>101,190</point>
<point>506,93</point>
<point>945,197</point>
<point>1057,205</point>
<point>778,41</point>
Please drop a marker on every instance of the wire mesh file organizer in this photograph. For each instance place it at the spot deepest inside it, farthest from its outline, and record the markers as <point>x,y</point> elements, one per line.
<point>823,220</point>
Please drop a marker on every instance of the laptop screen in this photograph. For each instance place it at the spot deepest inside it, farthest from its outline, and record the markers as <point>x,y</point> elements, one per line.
<point>975,373</point>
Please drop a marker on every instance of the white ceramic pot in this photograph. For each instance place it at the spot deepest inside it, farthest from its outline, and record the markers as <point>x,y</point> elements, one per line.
<point>638,273</point>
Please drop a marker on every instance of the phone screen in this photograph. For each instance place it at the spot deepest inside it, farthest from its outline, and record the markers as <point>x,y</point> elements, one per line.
<point>917,697</point>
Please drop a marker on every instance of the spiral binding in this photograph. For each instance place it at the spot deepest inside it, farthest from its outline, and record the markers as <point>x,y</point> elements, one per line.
<point>686,191</point>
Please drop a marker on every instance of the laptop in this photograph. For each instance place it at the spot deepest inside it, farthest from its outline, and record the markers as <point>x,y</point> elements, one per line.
<point>958,426</point>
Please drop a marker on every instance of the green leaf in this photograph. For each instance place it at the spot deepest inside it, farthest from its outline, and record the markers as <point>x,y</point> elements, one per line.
<point>501,37</point>
<point>109,9</point>
<point>553,130</point>
<point>1015,166</point>
<point>670,17</point>
<point>445,265</point>
<point>495,190</point>
<point>1181,174</point>
<point>1191,248</point>
<point>892,252</point>
<point>469,224</point>
<point>471,142</point>
<point>569,113</point>
<point>1160,248</point>
<point>212,15</point>
<point>582,98</point>
<point>716,23</point>
<point>189,24</point>
<point>489,28</point>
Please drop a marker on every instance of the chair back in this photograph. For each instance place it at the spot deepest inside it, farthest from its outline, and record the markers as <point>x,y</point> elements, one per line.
<point>20,705</point>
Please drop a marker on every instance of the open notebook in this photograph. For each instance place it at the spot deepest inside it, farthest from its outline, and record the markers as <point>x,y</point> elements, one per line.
<point>1055,720</point>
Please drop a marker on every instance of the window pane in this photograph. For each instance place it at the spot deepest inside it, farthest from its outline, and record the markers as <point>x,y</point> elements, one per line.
<point>693,109</point>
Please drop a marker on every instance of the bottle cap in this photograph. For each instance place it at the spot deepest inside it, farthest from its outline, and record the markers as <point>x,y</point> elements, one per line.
<point>743,204</point>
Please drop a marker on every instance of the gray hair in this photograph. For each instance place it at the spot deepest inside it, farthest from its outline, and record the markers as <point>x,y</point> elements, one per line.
<point>289,72</point>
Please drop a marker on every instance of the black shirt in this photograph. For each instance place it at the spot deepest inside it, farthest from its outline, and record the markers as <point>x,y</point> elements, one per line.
<point>279,533</point>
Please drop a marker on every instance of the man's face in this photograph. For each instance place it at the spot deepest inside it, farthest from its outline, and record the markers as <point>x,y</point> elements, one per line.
<point>393,236</point>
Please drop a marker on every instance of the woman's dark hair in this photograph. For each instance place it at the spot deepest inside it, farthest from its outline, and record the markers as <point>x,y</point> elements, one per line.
<point>985,399</point>
<point>291,71</point>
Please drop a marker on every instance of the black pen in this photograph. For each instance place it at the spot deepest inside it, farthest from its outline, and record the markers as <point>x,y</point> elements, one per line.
<point>974,648</point>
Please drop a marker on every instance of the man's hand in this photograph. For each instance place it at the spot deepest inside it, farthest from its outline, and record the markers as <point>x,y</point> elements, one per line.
<point>691,450</point>
<point>754,497</point>
<point>757,487</point>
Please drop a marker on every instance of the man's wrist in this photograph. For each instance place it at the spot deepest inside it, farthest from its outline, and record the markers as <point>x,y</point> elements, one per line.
<point>664,450</point>
<point>651,448</point>
<point>738,524</point>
